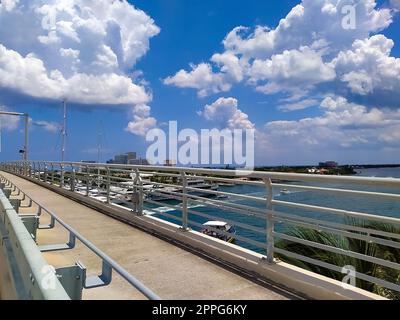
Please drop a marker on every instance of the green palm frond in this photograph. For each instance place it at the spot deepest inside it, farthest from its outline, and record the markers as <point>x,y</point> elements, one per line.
<point>346,243</point>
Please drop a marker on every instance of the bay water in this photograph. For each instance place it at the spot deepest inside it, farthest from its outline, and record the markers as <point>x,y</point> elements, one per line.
<point>369,205</point>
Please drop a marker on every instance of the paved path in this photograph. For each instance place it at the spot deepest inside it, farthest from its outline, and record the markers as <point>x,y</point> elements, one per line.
<point>169,271</point>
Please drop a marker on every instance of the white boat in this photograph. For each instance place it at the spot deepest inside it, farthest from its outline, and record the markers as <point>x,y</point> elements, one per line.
<point>210,228</point>
<point>285,191</point>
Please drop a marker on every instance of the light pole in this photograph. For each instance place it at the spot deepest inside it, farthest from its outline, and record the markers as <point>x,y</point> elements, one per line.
<point>26,116</point>
<point>64,130</point>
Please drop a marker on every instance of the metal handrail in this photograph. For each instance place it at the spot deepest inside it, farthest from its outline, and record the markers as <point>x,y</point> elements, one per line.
<point>237,173</point>
<point>24,261</point>
<point>263,210</point>
<point>105,258</point>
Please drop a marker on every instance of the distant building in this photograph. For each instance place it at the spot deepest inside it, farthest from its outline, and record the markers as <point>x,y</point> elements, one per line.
<point>128,158</point>
<point>328,164</point>
<point>170,163</point>
<point>138,162</point>
<point>121,159</point>
<point>131,156</point>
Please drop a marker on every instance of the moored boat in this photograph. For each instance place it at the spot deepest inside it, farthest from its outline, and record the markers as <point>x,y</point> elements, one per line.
<point>211,228</point>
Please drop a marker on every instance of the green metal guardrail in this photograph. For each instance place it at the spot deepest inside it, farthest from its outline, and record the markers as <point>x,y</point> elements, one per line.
<point>27,276</point>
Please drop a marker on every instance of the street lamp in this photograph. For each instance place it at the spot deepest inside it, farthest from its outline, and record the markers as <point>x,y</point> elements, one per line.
<point>26,116</point>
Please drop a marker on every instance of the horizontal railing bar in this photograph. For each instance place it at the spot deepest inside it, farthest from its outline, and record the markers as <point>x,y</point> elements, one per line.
<point>168,215</point>
<point>172,196</point>
<point>348,234</point>
<point>388,196</point>
<point>231,210</point>
<point>23,260</point>
<point>348,253</point>
<point>217,202</point>
<point>231,181</point>
<point>250,174</point>
<point>211,217</point>
<point>229,194</point>
<point>168,185</point>
<point>160,203</point>
<point>213,192</point>
<point>260,211</point>
<point>338,269</point>
<point>121,271</point>
<point>337,211</point>
<point>162,174</point>
<point>279,214</point>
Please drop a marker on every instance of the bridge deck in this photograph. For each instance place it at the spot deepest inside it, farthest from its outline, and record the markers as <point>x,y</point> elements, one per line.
<point>168,270</point>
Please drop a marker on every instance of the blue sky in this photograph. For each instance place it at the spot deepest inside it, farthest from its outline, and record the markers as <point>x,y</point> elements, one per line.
<point>346,105</point>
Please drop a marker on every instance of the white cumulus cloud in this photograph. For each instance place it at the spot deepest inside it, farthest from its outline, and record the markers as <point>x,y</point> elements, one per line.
<point>142,122</point>
<point>48,126</point>
<point>368,67</point>
<point>342,124</point>
<point>226,114</point>
<point>202,78</point>
<point>82,50</point>
<point>313,49</point>
<point>8,122</point>
<point>291,69</point>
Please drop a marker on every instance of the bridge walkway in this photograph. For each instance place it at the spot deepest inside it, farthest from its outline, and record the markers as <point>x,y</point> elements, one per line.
<point>168,270</point>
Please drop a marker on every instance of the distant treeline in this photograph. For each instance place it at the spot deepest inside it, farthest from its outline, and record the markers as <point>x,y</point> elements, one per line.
<point>340,170</point>
<point>376,166</point>
<point>355,166</point>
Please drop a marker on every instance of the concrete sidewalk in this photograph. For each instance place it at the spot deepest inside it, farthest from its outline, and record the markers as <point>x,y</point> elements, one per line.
<point>169,271</point>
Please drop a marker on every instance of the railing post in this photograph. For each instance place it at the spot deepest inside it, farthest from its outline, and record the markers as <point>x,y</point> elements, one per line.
<point>185,218</point>
<point>108,185</point>
<point>34,170</point>
<point>87,181</point>
<point>40,174</point>
<point>62,176</point>
<point>72,181</point>
<point>45,172</point>
<point>52,174</point>
<point>141,193</point>
<point>137,196</point>
<point>270,221</point>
